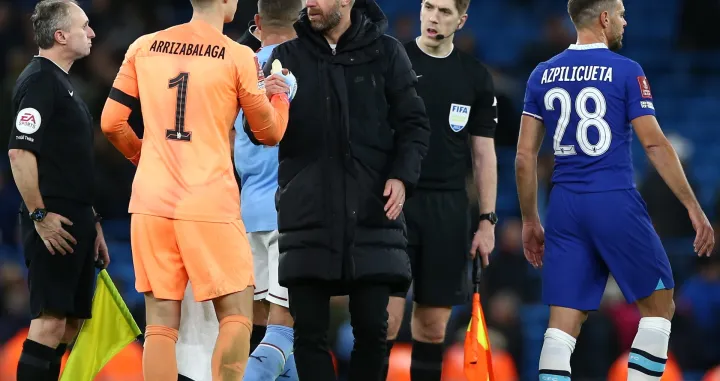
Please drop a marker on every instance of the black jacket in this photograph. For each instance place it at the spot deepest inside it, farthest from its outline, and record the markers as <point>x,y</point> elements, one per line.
<point>355,122</point>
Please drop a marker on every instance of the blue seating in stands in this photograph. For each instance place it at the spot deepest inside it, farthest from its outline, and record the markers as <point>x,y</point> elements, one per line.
<point>116,229</point>
<point>120,252</point>
<point>12,254</point>
<point>506,158</point>
<point>679,246</point>
<point>707,178</point>
<point>693,376</point>
<point>704,60</point>
<point>534,319</point>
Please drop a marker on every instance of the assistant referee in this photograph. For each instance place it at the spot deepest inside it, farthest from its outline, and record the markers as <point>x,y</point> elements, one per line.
<point>459,98</point>
<point>51,154</point>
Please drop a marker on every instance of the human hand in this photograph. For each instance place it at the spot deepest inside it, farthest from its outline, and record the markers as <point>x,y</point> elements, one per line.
<point>288,78</point>
<point>483,242</point>
<point>705,236</point>
<point>102,254</point>
<point>533,236</point>
<point>395,192</point>
<point>53,235</point>
<point>275,84</point>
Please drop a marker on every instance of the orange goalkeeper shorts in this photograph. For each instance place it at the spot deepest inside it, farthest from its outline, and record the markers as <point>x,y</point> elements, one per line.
<point>214,257</point>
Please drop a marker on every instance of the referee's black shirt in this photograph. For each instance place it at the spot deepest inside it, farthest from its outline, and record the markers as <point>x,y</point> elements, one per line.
<point>460,101</point>
<point>55,124</point>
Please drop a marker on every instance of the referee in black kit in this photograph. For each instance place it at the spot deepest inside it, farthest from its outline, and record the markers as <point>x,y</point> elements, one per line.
<point>460,102</point>
<point>51,154</point>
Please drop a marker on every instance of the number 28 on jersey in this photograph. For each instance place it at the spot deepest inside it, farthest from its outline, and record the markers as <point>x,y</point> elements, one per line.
<point>587,119</point>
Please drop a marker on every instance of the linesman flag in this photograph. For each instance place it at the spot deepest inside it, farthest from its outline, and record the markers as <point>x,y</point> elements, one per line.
<point>478,358</point>
<point>111,329</point>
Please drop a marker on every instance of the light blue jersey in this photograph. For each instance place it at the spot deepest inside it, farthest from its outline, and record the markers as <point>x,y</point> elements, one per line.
<point>257,167</point>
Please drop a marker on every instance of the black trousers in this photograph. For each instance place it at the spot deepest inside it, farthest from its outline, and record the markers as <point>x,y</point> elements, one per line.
<point>438,226</point>
<point>61,284</point>
<point>310,307</point>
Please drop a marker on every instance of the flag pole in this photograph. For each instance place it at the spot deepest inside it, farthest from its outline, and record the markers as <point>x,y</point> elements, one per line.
<point>477,273</point>
<point>478,358</point>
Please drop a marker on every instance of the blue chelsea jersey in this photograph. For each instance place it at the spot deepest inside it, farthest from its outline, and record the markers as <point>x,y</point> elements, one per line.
<point>586,97</point>
<point>257,167</point>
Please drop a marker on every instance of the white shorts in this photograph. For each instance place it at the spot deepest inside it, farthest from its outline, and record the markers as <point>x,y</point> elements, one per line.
<point>198,332</point>
<point>266,259</point>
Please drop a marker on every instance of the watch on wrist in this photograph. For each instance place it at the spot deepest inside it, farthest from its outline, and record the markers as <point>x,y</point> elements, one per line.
<point>38,214</point>
<point>98,218</point>
<point>492,217</point>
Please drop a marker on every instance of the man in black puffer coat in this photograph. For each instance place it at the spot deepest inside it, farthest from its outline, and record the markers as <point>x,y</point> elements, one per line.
<point>356,137</point>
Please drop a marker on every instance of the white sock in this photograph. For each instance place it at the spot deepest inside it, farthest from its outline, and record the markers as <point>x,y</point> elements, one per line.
<point>649,350</point>
<point>555,356</point>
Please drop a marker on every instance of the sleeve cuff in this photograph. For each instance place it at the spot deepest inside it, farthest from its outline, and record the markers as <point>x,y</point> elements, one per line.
<point>536,116</point>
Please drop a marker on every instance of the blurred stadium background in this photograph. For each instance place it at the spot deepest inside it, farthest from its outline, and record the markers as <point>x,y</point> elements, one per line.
<point>676,42</point>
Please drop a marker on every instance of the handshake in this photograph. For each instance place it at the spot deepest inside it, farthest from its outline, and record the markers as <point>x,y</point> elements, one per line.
<point>280,81</point>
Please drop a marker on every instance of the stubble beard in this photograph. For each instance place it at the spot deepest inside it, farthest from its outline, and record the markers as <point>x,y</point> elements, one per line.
<point>616,43</point>
<point>329,21</point>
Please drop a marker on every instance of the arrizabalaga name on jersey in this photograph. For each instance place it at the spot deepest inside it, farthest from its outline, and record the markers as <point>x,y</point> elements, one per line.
<point>185,49</point>
<point>577,74</point>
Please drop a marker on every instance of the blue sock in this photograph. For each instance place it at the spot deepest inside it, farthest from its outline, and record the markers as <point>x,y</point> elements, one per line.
<point>289,373</point>
<point>267,361</point>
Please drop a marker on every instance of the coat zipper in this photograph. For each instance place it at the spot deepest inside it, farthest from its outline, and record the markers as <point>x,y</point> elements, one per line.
<point>328,118</point>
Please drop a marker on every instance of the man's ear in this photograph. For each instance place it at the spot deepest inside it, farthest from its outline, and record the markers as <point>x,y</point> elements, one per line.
<point>60,37</point>
<point>605,19</point>
<point>257,22</point>
<point>463,20</point>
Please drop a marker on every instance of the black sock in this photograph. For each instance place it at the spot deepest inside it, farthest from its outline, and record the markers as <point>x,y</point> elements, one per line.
<point>386,367</point>
<point>35,361</point>
<point>426,363</point>
<point>184,378</point>
<point>56,364</point>
<point>258,333</point>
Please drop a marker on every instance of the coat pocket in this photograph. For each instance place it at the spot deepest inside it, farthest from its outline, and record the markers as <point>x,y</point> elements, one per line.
<point>368,113</point>
<point>299,201</point>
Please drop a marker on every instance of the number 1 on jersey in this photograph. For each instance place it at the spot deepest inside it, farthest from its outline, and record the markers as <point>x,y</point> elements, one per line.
<point>179,133</point>
<point>587,119</point>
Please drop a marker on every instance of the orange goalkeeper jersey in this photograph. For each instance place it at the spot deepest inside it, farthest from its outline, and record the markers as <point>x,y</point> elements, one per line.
<point>188,82</point>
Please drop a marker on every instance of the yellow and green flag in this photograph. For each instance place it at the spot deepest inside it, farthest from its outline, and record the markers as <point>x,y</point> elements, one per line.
<point>111,329</point>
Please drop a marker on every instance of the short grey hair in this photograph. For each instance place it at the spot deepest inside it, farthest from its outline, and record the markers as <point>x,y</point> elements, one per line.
<point>201,3</point>
<point>583,11</point>
<point>49,17</point>
<point>279,13</point>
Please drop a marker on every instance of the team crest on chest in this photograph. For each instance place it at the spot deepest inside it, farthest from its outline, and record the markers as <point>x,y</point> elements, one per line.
<point>459,116</point>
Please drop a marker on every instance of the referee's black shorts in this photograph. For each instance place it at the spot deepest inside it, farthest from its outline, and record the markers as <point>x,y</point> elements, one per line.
<point>438,224</point>
<point>62,285</point>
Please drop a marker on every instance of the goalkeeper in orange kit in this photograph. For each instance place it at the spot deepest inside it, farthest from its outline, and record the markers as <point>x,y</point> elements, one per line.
<point>188,83</point>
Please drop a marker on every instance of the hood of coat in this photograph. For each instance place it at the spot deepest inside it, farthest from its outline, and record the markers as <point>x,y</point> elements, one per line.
<point>368,24</point>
